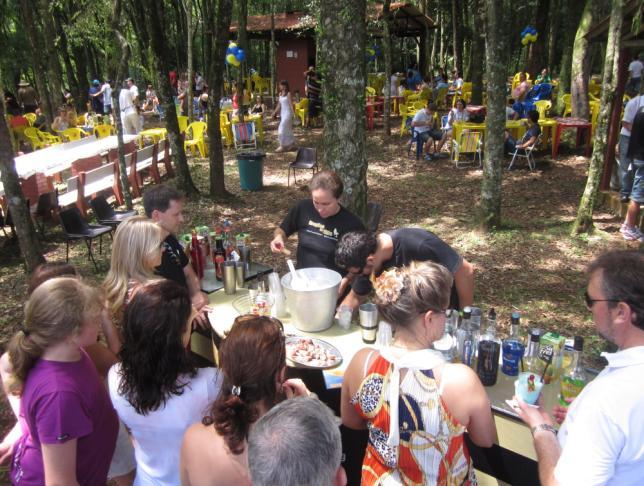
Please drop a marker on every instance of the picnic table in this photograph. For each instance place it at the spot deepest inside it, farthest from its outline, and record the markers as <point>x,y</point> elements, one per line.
<point>512,459</point>
<point>156,134</point>
<point>571,123</point>
<point>515,127</point>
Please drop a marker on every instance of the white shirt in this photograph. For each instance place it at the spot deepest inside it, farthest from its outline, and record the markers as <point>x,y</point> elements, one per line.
<point>158,435</point>
<point>457,116</point>
<point>632,107</point>
<point>635,68</point>
<point>457,83</point>
<point>422,117</point>
<point>602,438</point>
<point>509,113</point>
<point>126,102</point>
<point>107,94</point>
<point>135,91</point>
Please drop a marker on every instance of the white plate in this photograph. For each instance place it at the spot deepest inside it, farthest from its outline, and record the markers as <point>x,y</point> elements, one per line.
<point>292,341</point>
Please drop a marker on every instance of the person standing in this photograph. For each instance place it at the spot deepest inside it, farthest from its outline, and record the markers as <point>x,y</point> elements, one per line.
<point>27,97</point>
<point>629,229</point>
<point>106,93</point>
<point>635,71</point>
<point>600,439</point>
<point>625,162</point>
<point>313,91</point>
<point>129,113</point>
<point>95,99</point>
<point>285,109</point>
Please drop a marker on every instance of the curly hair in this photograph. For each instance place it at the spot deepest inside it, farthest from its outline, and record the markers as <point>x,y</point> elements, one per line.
<point>353,249</point>
<point>252,357</point>
<point>411,291</point>
<point>153,356</point>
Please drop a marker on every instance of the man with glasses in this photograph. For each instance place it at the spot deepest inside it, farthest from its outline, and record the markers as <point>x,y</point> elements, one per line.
<point>600,440</point>
<point>363,254</point>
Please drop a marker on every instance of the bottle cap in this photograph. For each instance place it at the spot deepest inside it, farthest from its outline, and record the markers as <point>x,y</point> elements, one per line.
<point>579,343</point>
<point>491,315</point>
<point>467,312</point>
<point>535,334</point>
<point>516,317</point>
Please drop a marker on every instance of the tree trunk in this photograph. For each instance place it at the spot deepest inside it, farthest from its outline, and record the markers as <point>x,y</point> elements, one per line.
<point>441,60</point>
<point>432,62</point>
<point>342,37</point>
<point>571,14</point>
<point>27,238</point>
<point>218,22</point>
<point>69,68</point>
<point>537,61</point>
<point>581,64</point>
<point>122,46</point>
<point>553,22</point>
<point>584,221</point>
<point>495,61</point>
<point>51,49</point>
<point>273,56</point>
<point>190,29</point>
<point>242,42</point>
<point>386,44</point>
<point>457,33</point>
<point>428,42</point>
<point>48,103</point>
<point>158,47</point>
<point>478,44</point>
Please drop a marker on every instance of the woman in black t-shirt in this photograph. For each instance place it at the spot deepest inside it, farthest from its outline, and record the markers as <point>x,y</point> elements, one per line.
<point>319,223</point>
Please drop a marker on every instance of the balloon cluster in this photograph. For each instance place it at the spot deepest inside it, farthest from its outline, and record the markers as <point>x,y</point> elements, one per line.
<point>372,52</point>
<point>529,34</point>
<point>234,55</point>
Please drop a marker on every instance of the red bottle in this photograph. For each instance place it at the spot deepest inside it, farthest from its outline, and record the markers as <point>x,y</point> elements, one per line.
<point>196,257</point>
<point>220,257</point>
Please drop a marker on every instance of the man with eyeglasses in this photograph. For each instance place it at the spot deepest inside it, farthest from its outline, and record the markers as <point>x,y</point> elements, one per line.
<point>363,254</point>
<point>601,439</point>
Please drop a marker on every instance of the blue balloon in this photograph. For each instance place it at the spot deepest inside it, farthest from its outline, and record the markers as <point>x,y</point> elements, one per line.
<point>234,50</point>
<point>533,31</point>
<point>241,55</point>
<point>523,32</point>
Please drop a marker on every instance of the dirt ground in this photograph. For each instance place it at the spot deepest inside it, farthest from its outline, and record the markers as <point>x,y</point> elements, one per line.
<point>530,263</point>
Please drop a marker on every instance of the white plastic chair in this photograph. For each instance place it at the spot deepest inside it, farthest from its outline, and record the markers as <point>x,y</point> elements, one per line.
<point>468,143</point>
<point>527,154</point>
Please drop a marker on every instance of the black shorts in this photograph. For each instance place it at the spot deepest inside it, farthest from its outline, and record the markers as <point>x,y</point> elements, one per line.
<point>431,133</point>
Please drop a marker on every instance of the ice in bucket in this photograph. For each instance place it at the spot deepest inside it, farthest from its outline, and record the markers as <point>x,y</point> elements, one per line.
<point>528,387</point>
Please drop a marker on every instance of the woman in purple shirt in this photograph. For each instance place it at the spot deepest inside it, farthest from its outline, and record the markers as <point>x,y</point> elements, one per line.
<point>68,424</point>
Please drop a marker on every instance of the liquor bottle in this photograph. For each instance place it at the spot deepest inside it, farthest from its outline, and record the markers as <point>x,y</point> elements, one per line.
<point>196,256</point>
<point>531,361</point>
<point>466,339</point>
<point>513,347</point>
<point>575,379</point>
<point>220,257</point>
<point>487,366</point>
<point>228,243</point>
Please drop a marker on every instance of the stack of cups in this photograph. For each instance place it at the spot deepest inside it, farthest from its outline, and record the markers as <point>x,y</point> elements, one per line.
<point>279,299</point>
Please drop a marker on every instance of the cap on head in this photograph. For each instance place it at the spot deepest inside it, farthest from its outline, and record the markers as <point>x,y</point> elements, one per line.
<point>96,82</point>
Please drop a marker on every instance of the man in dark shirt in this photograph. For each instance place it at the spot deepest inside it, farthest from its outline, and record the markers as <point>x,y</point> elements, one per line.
<point>313,90</point>
<point>530,137</point>
<point>319,223</point>
<point>164,205</point>
<point>363,254</point>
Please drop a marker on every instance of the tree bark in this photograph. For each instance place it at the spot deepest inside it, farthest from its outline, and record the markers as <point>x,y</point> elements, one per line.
<point>190,29</point>
<point>386,45</point>
<point>571,14</point>
<point>49,104</point>
<point>27,238</point>
<point>495,61</point>
<point>584,221</point>
<point>242,42</point>
<point>342,37</point>
<point>273,56</point>
<point>54,71</point>
<point>478,44</point>
<point>69,68</point>
<point>536,60</point>
<point>553,23</point>
<point>457,34</point>
<point>159,50</point>
<point>217,22</point>
<point>581,63</point>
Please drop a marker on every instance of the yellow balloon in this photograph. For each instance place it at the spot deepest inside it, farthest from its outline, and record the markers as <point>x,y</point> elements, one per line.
<point>232,45</point>
<point>524,41</point>
<point>232,60</point>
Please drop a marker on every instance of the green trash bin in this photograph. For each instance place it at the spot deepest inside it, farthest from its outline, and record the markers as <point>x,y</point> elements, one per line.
<point>251,170</point>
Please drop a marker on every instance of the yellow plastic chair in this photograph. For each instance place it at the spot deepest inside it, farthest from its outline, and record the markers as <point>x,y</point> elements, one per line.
<point>404,114</point>
<point>48,138</point>
<point>419,105</point>
<point>468,143</point>
<point>196,131</point>
<point>301,110</point>
<point>183,123</point>
<point>515,79</point>
<point>81,119</point>
<point>73,134</point>
<point>440,100</point>
<point>567,99</point>
<point>467,86</point>
<point>226,130</point>
<point>102,131</point>
<point>370,91</point>
<point>412,97</point>
<point>407,93</point>
<point>31,134</point>
<point>594,116</point>
<point>31,117</point>
<point>542,106</point>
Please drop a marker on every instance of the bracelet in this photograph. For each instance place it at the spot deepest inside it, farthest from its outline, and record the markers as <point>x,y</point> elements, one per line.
<point>547,427</point>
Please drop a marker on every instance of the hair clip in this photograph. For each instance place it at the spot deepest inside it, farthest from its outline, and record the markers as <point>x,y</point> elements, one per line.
<point>389,285</point>
<point>235,390</point>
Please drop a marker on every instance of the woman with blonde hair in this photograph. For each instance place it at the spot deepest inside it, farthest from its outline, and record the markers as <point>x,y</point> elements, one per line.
<point>69,425</point>
<point>411,440</point>
<point>136,252</point>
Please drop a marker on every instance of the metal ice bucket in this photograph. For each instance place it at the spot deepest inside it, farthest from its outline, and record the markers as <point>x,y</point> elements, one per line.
<point>313,310</point>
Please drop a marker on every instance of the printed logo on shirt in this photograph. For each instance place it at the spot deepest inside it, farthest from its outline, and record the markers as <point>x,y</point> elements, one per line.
<point>323,231</point>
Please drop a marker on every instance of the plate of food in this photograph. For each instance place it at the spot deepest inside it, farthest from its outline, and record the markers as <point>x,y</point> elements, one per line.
<point>312,353</point>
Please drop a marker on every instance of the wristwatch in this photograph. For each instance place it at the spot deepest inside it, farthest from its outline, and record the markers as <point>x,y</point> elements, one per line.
<point>547,427</point>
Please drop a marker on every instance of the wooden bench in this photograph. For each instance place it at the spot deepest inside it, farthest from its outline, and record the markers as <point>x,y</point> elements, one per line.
<point>139,162</point>
<point>82,187</point>
<point>164,148</point>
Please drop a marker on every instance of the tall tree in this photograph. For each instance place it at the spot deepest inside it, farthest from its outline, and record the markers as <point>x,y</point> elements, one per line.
<point>537,57</point>
<point>217,22</point>
<point>386,47</point>
<point>341,51</point>
<point>553,31</point>
<point>54,71</point>
<point>581,63</point>
<point>242,42</point>
<point>159,55</point>
<point>27,238</point>
<point>495,62</point>
<point>570,13</point>
<point>584,221</point>
<point>187,6</point>
<point>478,44</point>
<point>457,35</point>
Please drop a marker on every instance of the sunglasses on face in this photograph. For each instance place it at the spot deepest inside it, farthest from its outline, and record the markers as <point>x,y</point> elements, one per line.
<point>590,302</point>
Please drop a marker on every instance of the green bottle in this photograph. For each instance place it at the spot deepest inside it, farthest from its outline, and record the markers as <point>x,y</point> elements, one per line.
<point>575,379</point>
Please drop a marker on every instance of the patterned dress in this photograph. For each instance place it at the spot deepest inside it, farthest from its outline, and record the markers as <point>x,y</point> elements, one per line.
<point>431,446</point>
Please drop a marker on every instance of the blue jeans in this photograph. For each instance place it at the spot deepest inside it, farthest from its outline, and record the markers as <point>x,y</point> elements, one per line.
<point>625,175</point>
<point>637,194</point>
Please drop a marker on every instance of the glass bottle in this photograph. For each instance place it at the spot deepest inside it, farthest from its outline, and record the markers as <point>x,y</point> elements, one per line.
<point>195,256</point>
<point>513,347</point>
<point>466,339</point>
<point>489,348</point>
<point>575,379</point>
<point>531,361</point>
<point>220,257</point>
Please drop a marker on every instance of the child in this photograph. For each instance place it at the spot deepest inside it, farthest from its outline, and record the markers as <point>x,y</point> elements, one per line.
<point>69,427</point>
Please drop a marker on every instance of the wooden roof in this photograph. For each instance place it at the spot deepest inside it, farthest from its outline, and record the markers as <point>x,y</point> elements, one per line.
<point>630,37</point>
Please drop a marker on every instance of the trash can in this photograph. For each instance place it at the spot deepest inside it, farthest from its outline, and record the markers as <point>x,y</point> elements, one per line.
<point>251,170</point>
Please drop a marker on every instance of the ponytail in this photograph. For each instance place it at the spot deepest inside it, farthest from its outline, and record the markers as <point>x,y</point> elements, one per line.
<point>23,354</point>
